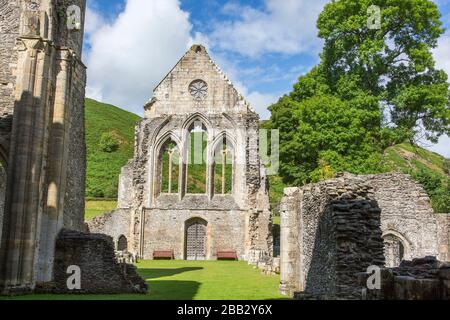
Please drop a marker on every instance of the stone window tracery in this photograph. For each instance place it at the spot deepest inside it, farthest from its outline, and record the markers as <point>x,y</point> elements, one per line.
<point>196,166</point>
<point>168,168</point>
<point>198,89</point>
<point>223,168</point>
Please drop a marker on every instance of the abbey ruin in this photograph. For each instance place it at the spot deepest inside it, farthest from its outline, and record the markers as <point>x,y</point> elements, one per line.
<point>196,185</point>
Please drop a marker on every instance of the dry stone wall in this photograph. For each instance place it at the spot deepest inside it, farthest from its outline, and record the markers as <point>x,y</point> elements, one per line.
<point>407,214</point>
<point>114,224</point>
<point>329,232</point>
<point>100,272</point>
<point>420,279</point>
<point>352,218</point>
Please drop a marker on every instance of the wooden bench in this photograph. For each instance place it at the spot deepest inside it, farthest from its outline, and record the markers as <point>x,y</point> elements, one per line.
<point>227,255</point>
<point>163,254</point>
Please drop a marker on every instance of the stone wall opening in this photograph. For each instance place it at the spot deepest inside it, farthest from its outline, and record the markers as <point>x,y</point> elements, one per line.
<point>168,168</point>
<point>196,164</point>
<point>394,250</point>
<point>223,167</point>
<point>122,244</point>
<point>196,239</point>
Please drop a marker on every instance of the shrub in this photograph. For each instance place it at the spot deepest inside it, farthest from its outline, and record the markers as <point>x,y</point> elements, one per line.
<point>108,143</point>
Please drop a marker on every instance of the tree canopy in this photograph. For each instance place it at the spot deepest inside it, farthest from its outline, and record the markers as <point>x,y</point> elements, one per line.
<point>372,88</point>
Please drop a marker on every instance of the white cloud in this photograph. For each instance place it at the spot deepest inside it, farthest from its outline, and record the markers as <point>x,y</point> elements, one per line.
<point>129,56</point>
<point>442,147</point>
<point>287,26</point>
<point>93,20</point>
<point>442,53</point>
<point>260,102</point>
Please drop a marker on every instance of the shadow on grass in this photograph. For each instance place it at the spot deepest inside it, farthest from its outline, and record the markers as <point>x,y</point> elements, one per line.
<point>152,274</point>
<point>170,289</point>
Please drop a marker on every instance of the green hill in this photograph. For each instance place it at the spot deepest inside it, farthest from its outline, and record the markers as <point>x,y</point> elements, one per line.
<point>429,168</point>
<point>109,143</point>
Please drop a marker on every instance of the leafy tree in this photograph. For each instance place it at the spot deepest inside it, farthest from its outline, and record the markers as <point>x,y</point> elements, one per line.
<point>335,117</point>
<point>394,63</point>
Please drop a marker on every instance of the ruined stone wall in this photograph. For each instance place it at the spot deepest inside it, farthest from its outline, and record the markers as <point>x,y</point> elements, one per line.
<point>9,32</point>
<point>406,213</point>
<point>42,86</point>
<point>239,221</point>
<point>114,224</point>
<point>331,231</point>
<point>420,279</point>
<point>74,202</point>
<point>443,226</point>
<point>172,95</point>
<point>100,272</point>
<point>165,230</point>
<point>313,221</point>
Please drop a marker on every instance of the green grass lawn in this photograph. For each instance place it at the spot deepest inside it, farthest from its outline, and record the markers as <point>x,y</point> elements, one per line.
<point>192,280</point>
<point>96,208</point>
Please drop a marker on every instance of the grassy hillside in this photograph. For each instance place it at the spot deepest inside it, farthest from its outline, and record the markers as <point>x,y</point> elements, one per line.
<point>110,144</point>
<point>428,168</point>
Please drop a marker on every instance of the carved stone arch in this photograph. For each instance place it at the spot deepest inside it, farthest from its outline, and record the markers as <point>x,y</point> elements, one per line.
<point>192,118</point>
<point>165,138</point>
<point>156,134</point>
<point>224,134</point>
<point>122,243</point>
<point>396,247</point>
<point>223,182</point>
<point>230,119</point>
<point>188,127</point>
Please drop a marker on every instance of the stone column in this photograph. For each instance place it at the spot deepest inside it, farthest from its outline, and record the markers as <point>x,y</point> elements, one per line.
<point>289,242</point>
<point>52,219</point>
<point>24,187</point>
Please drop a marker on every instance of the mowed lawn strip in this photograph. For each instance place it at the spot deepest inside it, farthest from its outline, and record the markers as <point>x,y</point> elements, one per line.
<point>191,280</point>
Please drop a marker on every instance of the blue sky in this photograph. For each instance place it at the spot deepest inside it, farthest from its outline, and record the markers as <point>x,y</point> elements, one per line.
<point>262,45</point>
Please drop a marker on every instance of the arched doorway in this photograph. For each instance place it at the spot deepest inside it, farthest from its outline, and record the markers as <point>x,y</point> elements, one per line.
<point>195,239</point>
<point>122,243</point>
<point>394,250</point>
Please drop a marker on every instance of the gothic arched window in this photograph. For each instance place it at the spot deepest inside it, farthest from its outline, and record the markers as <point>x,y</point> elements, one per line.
<point>223,168</point>
<point>196,164</point>
<point>169,168</point>
<point>394,250</point>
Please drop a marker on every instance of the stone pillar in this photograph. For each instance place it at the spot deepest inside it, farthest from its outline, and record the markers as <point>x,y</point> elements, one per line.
<point>52,219</point>
<point>24,187</point>
<point>289,242</point>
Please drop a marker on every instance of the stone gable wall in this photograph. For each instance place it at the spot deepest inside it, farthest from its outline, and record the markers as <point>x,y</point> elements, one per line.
<point>172,95</point>
<point>241,221</point>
